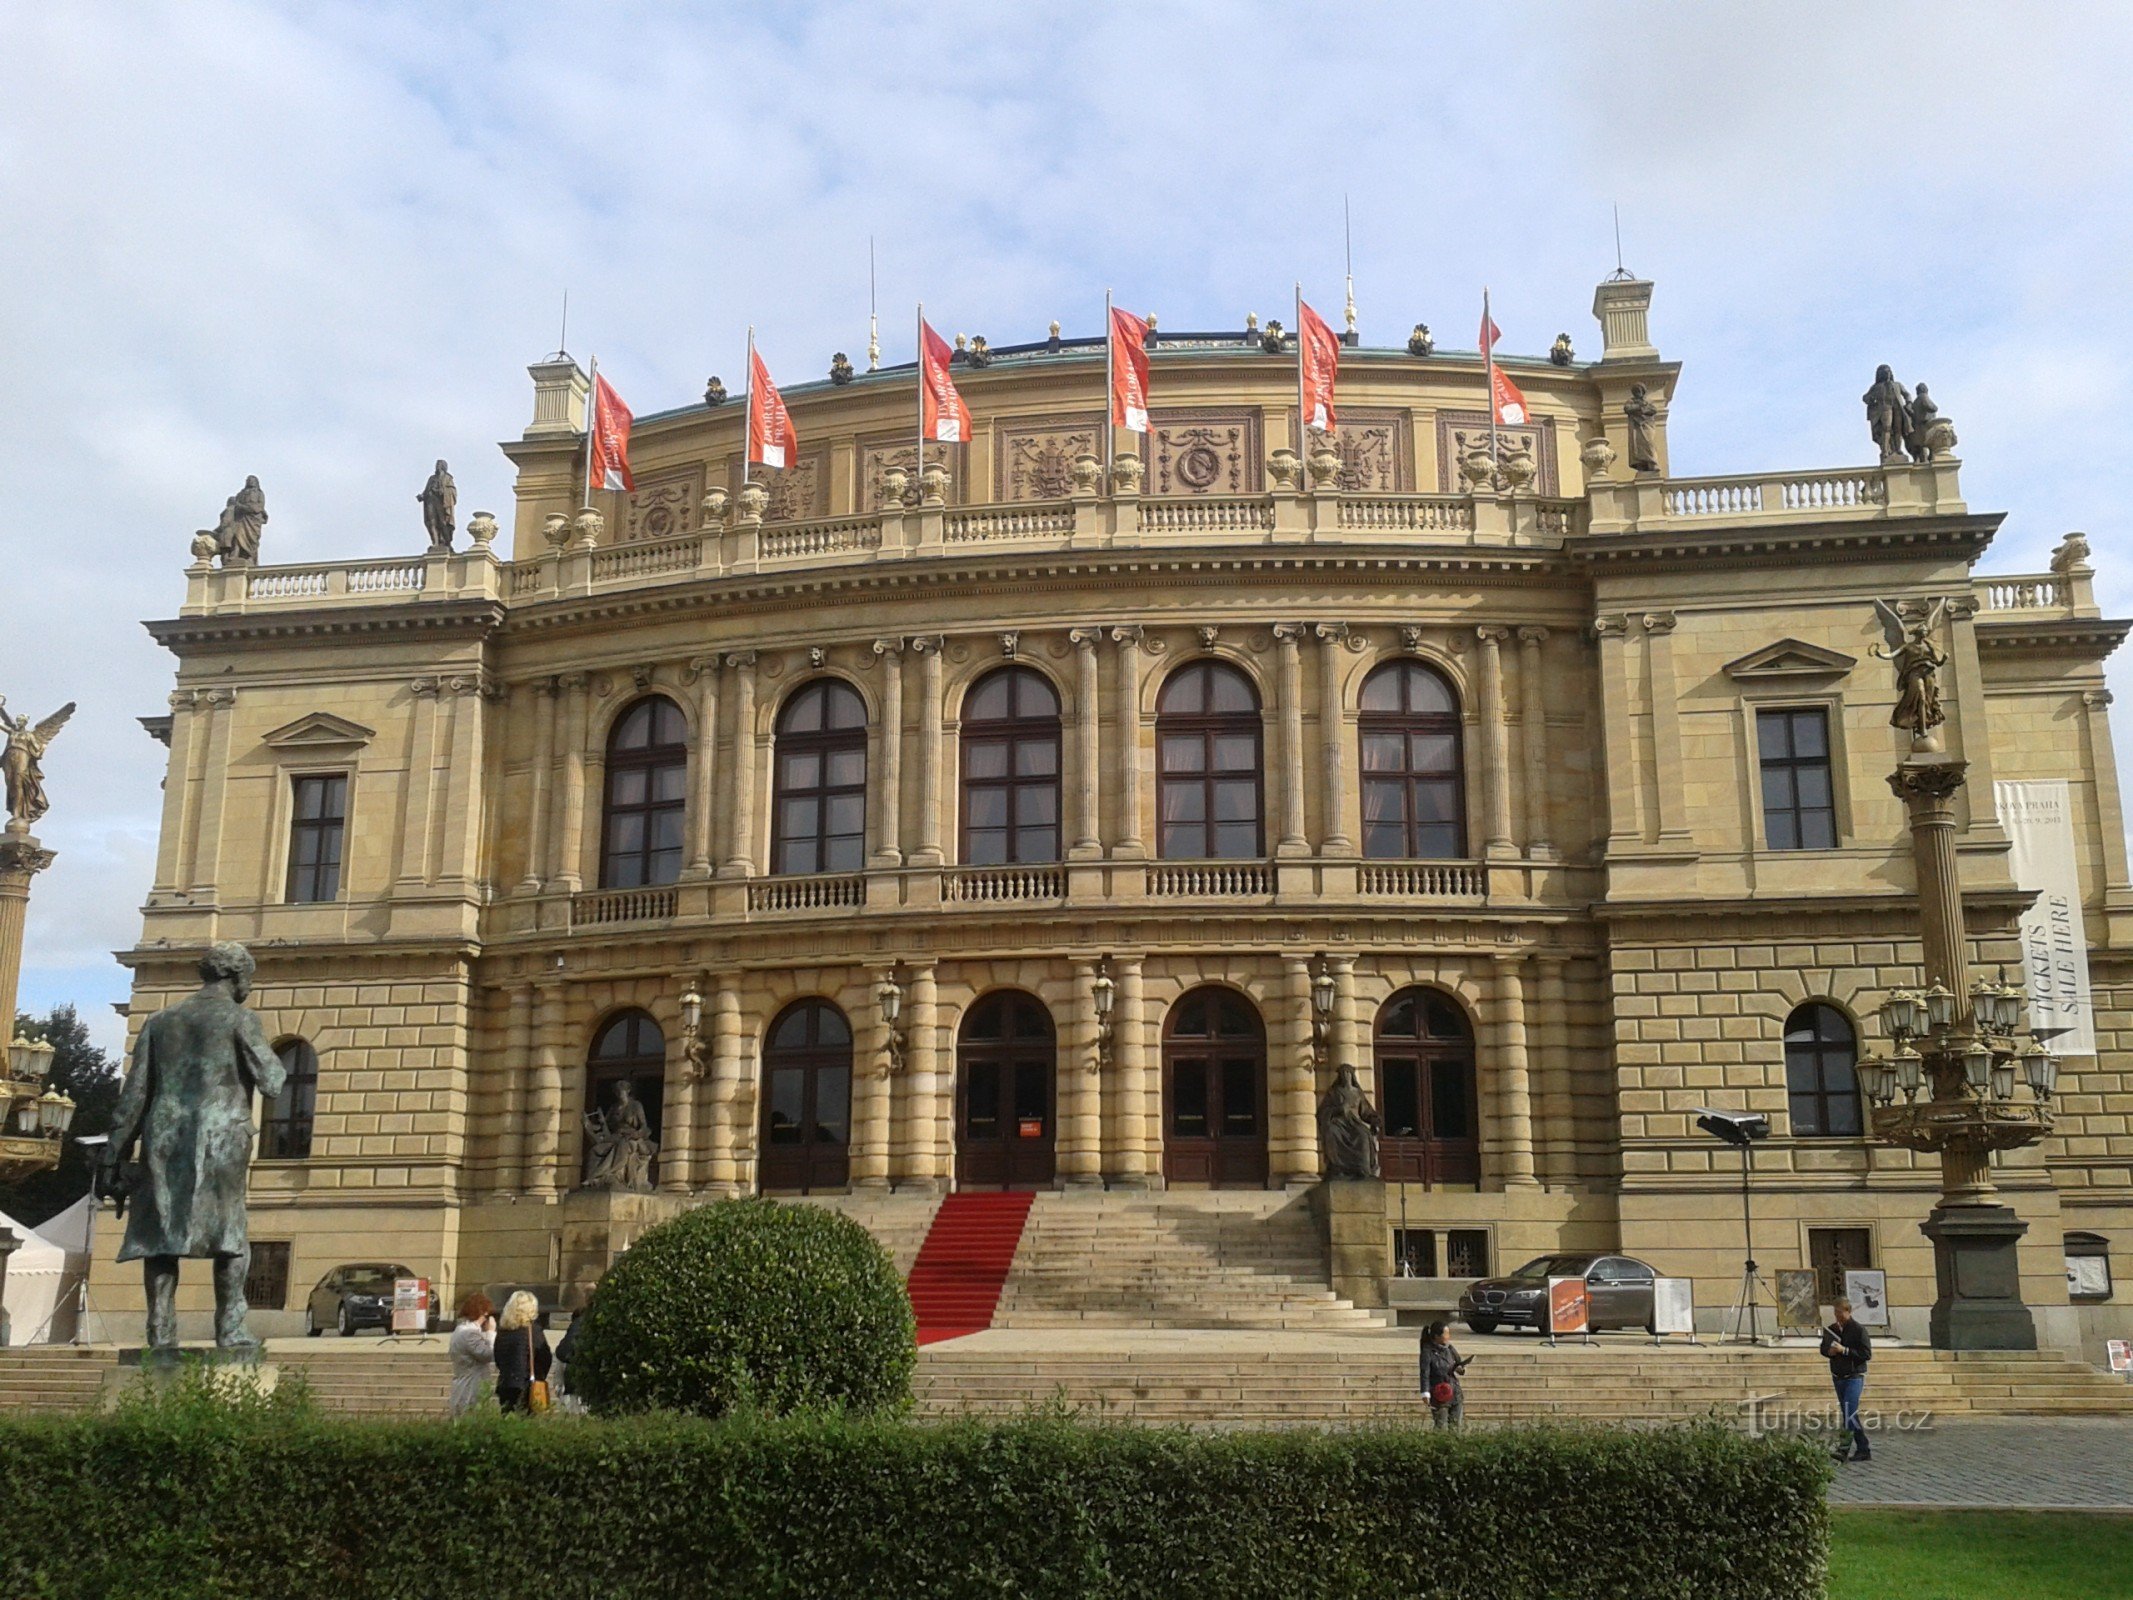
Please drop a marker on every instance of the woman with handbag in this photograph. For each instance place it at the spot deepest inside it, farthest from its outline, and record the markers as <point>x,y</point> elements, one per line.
<point>522,1356</point>
<point>473,1351</point>
<point>1441,1367</point>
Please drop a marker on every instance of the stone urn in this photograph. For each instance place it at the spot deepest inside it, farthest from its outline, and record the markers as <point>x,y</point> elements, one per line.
<point>714,506</point>
<point>1284,469</point>
<point>1519,467</point>
<point>1325,467</point>
<point>204,547</point>
<point>481,528</point>
<point>1938,440</point>
<point>754,501</point>
<point>1478,468</point>
<point>1126,474</point>
<point>895,487</point>
<point>1598,456</point>
<point>933,485</point>
<point>555,528</point>
<point>1088,476</point>
<point>588,525</point>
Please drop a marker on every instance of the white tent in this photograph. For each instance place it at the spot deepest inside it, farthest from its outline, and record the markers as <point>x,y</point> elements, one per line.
<point>44,1274</point>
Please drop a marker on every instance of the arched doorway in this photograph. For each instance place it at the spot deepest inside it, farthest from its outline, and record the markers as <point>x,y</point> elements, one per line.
<point>1214,1091</point>
<point>1006,1060</point>
<point>806,1129</point>
<point>629,1052</point>
<point>1425,1062</point>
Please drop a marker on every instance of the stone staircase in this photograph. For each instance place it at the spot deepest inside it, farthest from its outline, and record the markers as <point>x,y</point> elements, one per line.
<point>1222,1259</point>
<point>47,1378</point>
<point>899,1221</point>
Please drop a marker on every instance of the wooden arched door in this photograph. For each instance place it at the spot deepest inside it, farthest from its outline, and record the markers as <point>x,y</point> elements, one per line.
<point>1425,1066</point>
<point>1006,1061</point>
<point>805,1130</point>
<point>1214,1091</point>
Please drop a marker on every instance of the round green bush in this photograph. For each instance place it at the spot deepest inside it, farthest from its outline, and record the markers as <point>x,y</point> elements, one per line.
<point>748,1304</point>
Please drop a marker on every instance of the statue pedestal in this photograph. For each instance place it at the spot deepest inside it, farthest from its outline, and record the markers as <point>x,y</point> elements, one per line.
<point>1980,1305</point>
<point>232,1374</point>
<point>1351,1214</point>
<point>598,1225</point>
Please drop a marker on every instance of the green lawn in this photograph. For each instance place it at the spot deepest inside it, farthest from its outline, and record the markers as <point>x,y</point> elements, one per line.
<point>1980,1555</point>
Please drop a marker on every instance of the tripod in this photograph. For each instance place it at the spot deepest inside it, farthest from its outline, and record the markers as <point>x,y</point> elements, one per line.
<point>1748,1303</point>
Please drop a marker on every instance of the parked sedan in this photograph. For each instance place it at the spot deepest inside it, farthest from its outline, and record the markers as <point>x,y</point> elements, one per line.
<point>1618,1289</point>
<point>359,1295</point>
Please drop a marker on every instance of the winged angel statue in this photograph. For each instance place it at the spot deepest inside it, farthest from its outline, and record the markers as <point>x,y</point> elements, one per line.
<point>1918,660</point>
<point>21,763</point>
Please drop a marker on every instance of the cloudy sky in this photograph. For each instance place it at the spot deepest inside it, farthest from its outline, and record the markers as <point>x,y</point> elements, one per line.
<point>320,243</point>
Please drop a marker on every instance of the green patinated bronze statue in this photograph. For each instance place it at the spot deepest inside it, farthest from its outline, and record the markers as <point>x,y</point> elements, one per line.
<point>187,1105</point>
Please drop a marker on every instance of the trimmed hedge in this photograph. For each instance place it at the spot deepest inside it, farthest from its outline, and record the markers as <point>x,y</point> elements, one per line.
<point>748,1305</point>
<point>825,1508</point>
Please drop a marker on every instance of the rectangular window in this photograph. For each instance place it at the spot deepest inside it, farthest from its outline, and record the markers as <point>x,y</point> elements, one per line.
<point>321,804</point>
<point>266,1282</point>
<point>1832,1252</point>
<point>1414,1253</point>
<point>1799,799</point>
<point>1466,1253</point>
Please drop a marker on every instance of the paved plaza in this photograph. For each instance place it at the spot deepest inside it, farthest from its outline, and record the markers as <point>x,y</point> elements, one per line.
<point>2033,1464</point>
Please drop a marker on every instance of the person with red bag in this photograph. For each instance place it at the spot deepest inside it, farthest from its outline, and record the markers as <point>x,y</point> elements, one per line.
<point>1441,1367</point>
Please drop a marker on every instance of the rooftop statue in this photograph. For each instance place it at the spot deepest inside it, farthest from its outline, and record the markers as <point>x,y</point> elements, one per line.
<point>1932,435</point>
<point>244,519</point>
<point>1348,1128</point>
<point>1421,342</point>
<point>841,369</point>
<point>1643,440</point>
<point>22,763</point>
<point>1888,415</point>
<point>1561,352</point>
<point>440,509</point>
<point>714,392</point>
<point>187,1108</point>
<point>1918,661</point>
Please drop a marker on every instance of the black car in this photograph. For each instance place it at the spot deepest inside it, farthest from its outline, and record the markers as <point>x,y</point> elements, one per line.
<point>1618,1290</point>
<point>359,1295</point>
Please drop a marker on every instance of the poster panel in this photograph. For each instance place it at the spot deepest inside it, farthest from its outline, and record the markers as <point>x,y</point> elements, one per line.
<point>2120,1352</point>
<point>2039,817</point>
<point>1868,1291</point>
<point>1799,1301</point>
<point>1673,1305</point>
<point>411,1305</point>
<point>1569,1306</point>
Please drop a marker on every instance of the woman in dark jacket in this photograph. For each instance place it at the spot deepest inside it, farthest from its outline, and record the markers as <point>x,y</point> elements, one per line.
<point>522,1354</point>
<point>1441,1369</point>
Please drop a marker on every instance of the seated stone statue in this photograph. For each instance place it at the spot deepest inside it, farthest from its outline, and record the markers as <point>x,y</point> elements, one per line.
<point>1348,1128</point>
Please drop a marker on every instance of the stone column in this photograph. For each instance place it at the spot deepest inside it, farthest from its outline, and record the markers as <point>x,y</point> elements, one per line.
<point>1495,751</point>
<point>930,752</point>
<point>1666,727</point>
<point>1347,1047</point>
<point>518,1085</point>
<point>1133,1154</point>
<point>545,713</point>
<point>1980,800</point>
<point>467,777</point>
<point>1514,1106</point>
<point>1087,846</point>
<point>932,1101</point>
<point>888,787</point>
<point>677,1111</point>
<point>21,859</point>
<point>1558,1142</point>
<point>2095,718</point>
<point>1128,845</point>
<point>1625,812</point>
<point>870,1096</point>
<point>727,1141</point>
<point>1080,1109</point>
<point>1533,734</point>
<point>172,872</point>
<point>703,768</point>
<point>418,815</point>
<point>1288,637</point>
<point>570,817</point>
<point>544,1142</point>
<point>214,786</point>
<point>740,771</point>
<point>1332,742</point>
<point>1293,1090</point>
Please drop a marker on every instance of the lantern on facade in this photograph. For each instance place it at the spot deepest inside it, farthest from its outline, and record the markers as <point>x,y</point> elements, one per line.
<point>1977,1066</point>
<point>1940,1006</point>
<point>1322,992</point>
<point>2003,1076</point>
<point>1878,1079</point>
<point>2041,1068</point>
<point>889,994</point>
<point>692,1012</point>
<point>1909,1070</point>
<point>1903,1014</point>
<point>1105,993</point>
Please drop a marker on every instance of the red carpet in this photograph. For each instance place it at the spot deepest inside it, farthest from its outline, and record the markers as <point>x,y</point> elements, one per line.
<point>955,1282</point>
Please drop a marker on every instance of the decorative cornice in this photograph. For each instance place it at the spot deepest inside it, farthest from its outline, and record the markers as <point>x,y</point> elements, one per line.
<point>2086,638</point>
<point>276,627</point>
<point>1694,545</point>
<point>1788,659</point>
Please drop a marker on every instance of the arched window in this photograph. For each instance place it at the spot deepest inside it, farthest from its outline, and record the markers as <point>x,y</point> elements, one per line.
<point>285,1119</point>
<point>627,1065</point>
<point>1011,769</point>
<point>820,821</point>
<point>1006,1060</point>
<point>1214,1091</point>
<point>1425,1061</point>
<point>1207,764</point>
<point>647,788</point>
<point>1414,792</point>
<point>1821,1061</point>
<point>806,1123</point>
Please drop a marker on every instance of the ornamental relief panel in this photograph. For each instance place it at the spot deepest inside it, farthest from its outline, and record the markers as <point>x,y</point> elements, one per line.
<point>882,452</point>
<point>1033,457</point>
<point>798,493</point>
<point>1461,431</point>
<point>1377,450</point>
<point>663,506</point>
<point>1204,452</point>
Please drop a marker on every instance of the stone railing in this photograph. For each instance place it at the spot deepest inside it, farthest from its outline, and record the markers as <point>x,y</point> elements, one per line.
<point>331,581</point>
<point>1424,880</point>
<point>2043,591</point>
<point>1251,514</point>
<point>1763,498</point>
<point>969,885</point>
<point>826,892</point>
<point>1421,513</point>
<point>1009,522</point>
<point>835,536</point>
<point>1210,879</point>
<point>599,907</point>
<point>644,560</point>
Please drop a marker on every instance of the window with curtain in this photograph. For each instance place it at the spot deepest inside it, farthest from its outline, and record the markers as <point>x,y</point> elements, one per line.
<point>1414,781</point>
<point>1821,1061</point>
<point>285,1118</point>
<point>1011,769</point>
<point>647,793</point>
<point>819,819</point>
<point>1208,769</point>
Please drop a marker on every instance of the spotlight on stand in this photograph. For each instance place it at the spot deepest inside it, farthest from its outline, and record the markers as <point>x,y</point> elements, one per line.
<point>1742,1130</point>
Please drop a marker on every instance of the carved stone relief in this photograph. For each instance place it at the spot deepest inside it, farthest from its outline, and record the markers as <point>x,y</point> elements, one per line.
<point>1376,450</point>
<point>1204,452</point>
<point>879,454</point>
<point>664,506</point>
<point>1461,431</point>
<point>1033,458</point>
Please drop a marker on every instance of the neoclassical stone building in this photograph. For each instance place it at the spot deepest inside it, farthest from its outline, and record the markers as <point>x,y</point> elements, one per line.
<point>1012,822</point>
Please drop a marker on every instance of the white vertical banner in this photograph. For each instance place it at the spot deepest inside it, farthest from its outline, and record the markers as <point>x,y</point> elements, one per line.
<point>2039,818</point>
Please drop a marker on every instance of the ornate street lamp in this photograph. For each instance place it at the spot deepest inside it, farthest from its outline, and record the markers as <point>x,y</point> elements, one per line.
<point>1903,1014</point>
<point>33,1125</point>
<point>1877,1078</point>
<point>889,996</point>
<point>1103,992</point>
<point>1323,996</point>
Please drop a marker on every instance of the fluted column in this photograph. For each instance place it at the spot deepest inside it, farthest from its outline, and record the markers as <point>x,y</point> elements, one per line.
<point>1288,637</point>
<point>703,768</point>
<point>570,841</point>
<point>1625,810</point>
<point>932,1088</point>
<point>728,1140</point>
<point>1514,1106</point>
<point>740,771</point>
<point>1348,1048</point>
<point>545,712</point>
<point>1128,845</point>
<point>518,1090</point>
<point>1558,1138</point>
<point>677,1110</point>
<point>1294,1089</point>
<point>214,786</point>
<point>544,1141</point>
<point>1133,1147</point>
<point>1086,845</point>
<point>870,1095</point>
<point>1495,751</point>
<point>1080,1112</point>
<point>888,786</point>
<point>172,865</point>
<point>1332,742</point>
<point>930,753</point>
<point>1533,734</point>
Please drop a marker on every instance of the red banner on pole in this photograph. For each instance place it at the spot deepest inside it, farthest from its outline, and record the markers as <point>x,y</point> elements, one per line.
<point>772,440</point>
<point>1508,399</point>
<point>1318,350</point>
<point>1129,371</point>
<point>609,464</point>
<point>943,417</point>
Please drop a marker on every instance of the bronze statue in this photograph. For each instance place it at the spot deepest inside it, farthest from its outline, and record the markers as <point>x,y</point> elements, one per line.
<point>621,1147</point>
<point>714,392</point>
<point>1561,352</point>
<point>1932,435</point>
<point>1274,340</point>
<point>1421,342</point>
<point>244,518</point>
<point>1643,442</point>
<point>22,762</point>
<point>841,369</point>
<point>440,509</point>
<point>1888,415</point>
<point>187,1105</point>
<point>1917,660</point>
<point>1348,1128</point>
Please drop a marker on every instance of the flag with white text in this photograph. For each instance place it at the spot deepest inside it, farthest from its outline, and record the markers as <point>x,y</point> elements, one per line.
<point>1129,371</point>
<point>943,417</point>
<point>772,440</point>
<point>609,463</point>
<point>1318,356</point>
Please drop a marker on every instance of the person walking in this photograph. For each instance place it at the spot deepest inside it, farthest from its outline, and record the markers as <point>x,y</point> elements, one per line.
<point>1441,1385</point>
<point>522,1353</point>
<point>1847,1349</point>
<point>473,1351</point>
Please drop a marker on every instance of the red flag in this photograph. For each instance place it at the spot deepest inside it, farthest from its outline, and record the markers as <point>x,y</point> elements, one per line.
<point>609,466</point>
<point>772,441</point>
<point>1318,351</point>
<point>1490,333</point>
<point>1507,398</point>
<point>942,415</point>
<point>1129,371</point>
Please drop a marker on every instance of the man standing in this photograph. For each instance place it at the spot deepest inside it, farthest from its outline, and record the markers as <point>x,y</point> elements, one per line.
<point>1847,1349</point>
<point>188,1104</point>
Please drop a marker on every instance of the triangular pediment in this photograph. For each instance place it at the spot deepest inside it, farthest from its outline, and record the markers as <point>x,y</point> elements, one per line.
<point>320,730</point>
<point>1791,658</point>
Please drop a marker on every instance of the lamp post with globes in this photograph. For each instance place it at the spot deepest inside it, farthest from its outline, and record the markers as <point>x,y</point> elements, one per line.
<point>34,1116</point>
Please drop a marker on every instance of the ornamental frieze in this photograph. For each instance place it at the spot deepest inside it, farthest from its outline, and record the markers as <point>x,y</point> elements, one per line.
<point>1376,450</point>
<point>898,452</point>
<point>1033,458</point>
<point>1459,432</point>
<point>664,506</point>
<point>1204,452</point>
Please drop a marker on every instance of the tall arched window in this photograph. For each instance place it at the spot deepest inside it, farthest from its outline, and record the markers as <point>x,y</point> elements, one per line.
<point>625,1080</point>
<point>285,1119</point>
<point>1821,1076</point>
<point>1414,793</point>
<point>647,789</point>
<point>820,821</point>
<point>1011,769</point>
<point>1207,764</point>
<point>1425,1061</point>
<point>806,1124</point>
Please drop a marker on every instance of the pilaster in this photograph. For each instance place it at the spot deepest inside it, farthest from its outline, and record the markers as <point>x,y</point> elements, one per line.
<point>546,711</point>
<point>1495,750</point>
<point>740,770</point>
<point>888,790</point>
<point>1288,637</point>
<point>932,710</point>
<point>1086,846</point>
<point>1333,741</point>
<point>1128,845</point>
<point>570,815</point>
<point>1533,742</point>
<point>703,769</point>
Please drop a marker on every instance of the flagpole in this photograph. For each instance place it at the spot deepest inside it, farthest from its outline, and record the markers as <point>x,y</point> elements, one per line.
<point>1303,420</point>
<point>592,424</point>
<point>918,460</point>
<point>1110,379</point>
<point>748,407</point>
<point>1488,360</point>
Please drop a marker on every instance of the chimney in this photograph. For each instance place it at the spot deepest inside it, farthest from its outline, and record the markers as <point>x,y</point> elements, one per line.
<point>1623,306</point>
<point>559,390</point>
